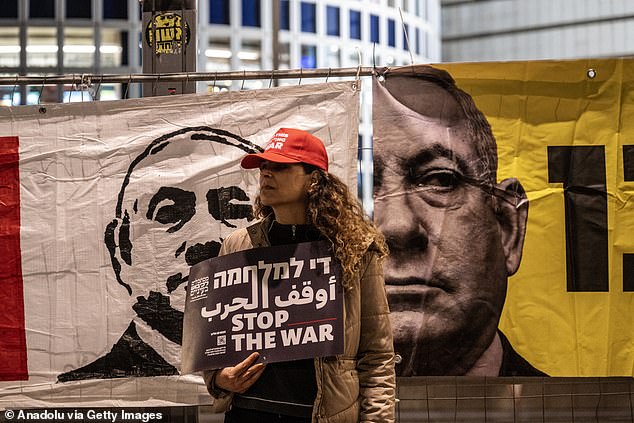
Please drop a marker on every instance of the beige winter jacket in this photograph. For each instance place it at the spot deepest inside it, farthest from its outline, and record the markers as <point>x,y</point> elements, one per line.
<point>359,385</point>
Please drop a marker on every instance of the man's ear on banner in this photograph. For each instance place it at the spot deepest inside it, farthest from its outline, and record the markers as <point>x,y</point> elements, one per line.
<point>117,238</point>
<point>512,213</point>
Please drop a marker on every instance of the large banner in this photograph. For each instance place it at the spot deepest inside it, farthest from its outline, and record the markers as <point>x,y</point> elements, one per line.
<point>505,191</point>
<point>103,209</point>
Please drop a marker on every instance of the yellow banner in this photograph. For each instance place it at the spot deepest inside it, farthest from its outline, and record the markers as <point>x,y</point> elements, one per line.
<point>565,129</point>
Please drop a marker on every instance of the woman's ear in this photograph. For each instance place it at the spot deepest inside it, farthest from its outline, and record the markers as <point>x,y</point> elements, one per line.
<point>511,209</point>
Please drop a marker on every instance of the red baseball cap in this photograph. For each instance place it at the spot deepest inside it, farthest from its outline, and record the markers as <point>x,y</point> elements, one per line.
<point>290,145</point>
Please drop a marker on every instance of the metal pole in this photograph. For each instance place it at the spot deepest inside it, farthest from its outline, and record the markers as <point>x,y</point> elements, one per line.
<point>88,79</point>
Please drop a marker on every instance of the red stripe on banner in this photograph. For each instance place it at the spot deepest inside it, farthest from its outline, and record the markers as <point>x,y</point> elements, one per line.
<point>12,334</point>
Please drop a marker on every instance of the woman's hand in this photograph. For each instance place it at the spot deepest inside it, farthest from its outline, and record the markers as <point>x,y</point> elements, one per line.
<point>240,377</point>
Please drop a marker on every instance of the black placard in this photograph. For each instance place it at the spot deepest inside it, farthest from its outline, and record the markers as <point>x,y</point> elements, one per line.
<point>286,302</point>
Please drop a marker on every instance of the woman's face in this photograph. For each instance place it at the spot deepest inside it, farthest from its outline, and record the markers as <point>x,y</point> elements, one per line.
<point>283,185</point>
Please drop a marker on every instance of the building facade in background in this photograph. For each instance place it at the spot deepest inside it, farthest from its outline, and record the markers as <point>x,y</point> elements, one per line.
<point>496,30</point>
<point>46,37</point>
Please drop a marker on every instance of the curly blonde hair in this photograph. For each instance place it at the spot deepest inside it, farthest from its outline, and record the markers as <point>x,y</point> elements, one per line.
<point>339,217</point>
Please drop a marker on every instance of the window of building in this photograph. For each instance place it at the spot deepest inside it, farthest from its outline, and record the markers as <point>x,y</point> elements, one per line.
<point>425,43</point>
<point>355,25</point>
<point>112,47</point>
<point>9,96</point>
<point>74,95</point>
<point>309,57</point>
<point>139,51</point>
<point>9,46</point>
<point>219,12</point>
<point>251,60</point>
<point>250,56</point>
<point>41,8</point>
<point>406,38</point>
<point>81,9</point>
<point>36,94</point>
<point>391,33</point>
<point>41,46</point>
<point>218,55</point>
<point>9,9</point>
<point>251,13</point>
<point>285,15</point>
<point>417,41</point>
<point>374,29</point>
<point>284,50</point>
<point>125,49</point>
<point>353,58</point>
<point>406,6</point>
<point>391,3</point>
<point>309,17</point>
<point>115,9</point>
<point>333,56</point>
<point>109,92</point>
<point>79,47</point>
<point>332,20</point>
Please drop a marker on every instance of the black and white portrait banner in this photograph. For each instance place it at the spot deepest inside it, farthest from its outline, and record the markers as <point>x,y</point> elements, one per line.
<point>105,206</point>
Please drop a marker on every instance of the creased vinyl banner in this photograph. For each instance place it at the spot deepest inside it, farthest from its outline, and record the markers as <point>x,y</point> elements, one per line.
<point>285,302</point>
<point>486,277</point>
<point>104,207</point>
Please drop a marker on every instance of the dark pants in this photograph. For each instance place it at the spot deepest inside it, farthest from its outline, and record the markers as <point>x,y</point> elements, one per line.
<point>243,415</point>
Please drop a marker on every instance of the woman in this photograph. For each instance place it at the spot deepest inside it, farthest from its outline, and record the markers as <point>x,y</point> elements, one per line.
<point>299,201</point>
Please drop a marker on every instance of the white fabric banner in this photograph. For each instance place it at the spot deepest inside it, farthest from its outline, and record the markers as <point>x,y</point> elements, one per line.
<point>117,200</point>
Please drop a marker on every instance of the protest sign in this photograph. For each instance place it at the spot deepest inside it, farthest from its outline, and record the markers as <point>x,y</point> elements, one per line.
<point>285,302</point>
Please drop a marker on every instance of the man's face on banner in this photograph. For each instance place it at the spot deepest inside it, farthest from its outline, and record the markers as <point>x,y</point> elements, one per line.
<point>446,275</point>
<point>181,202</point>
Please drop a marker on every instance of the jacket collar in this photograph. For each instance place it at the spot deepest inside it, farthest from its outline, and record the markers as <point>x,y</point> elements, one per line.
<point>258,232</point>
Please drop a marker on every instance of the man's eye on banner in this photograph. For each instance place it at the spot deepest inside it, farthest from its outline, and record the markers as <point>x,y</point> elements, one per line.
<point>179,197</point>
